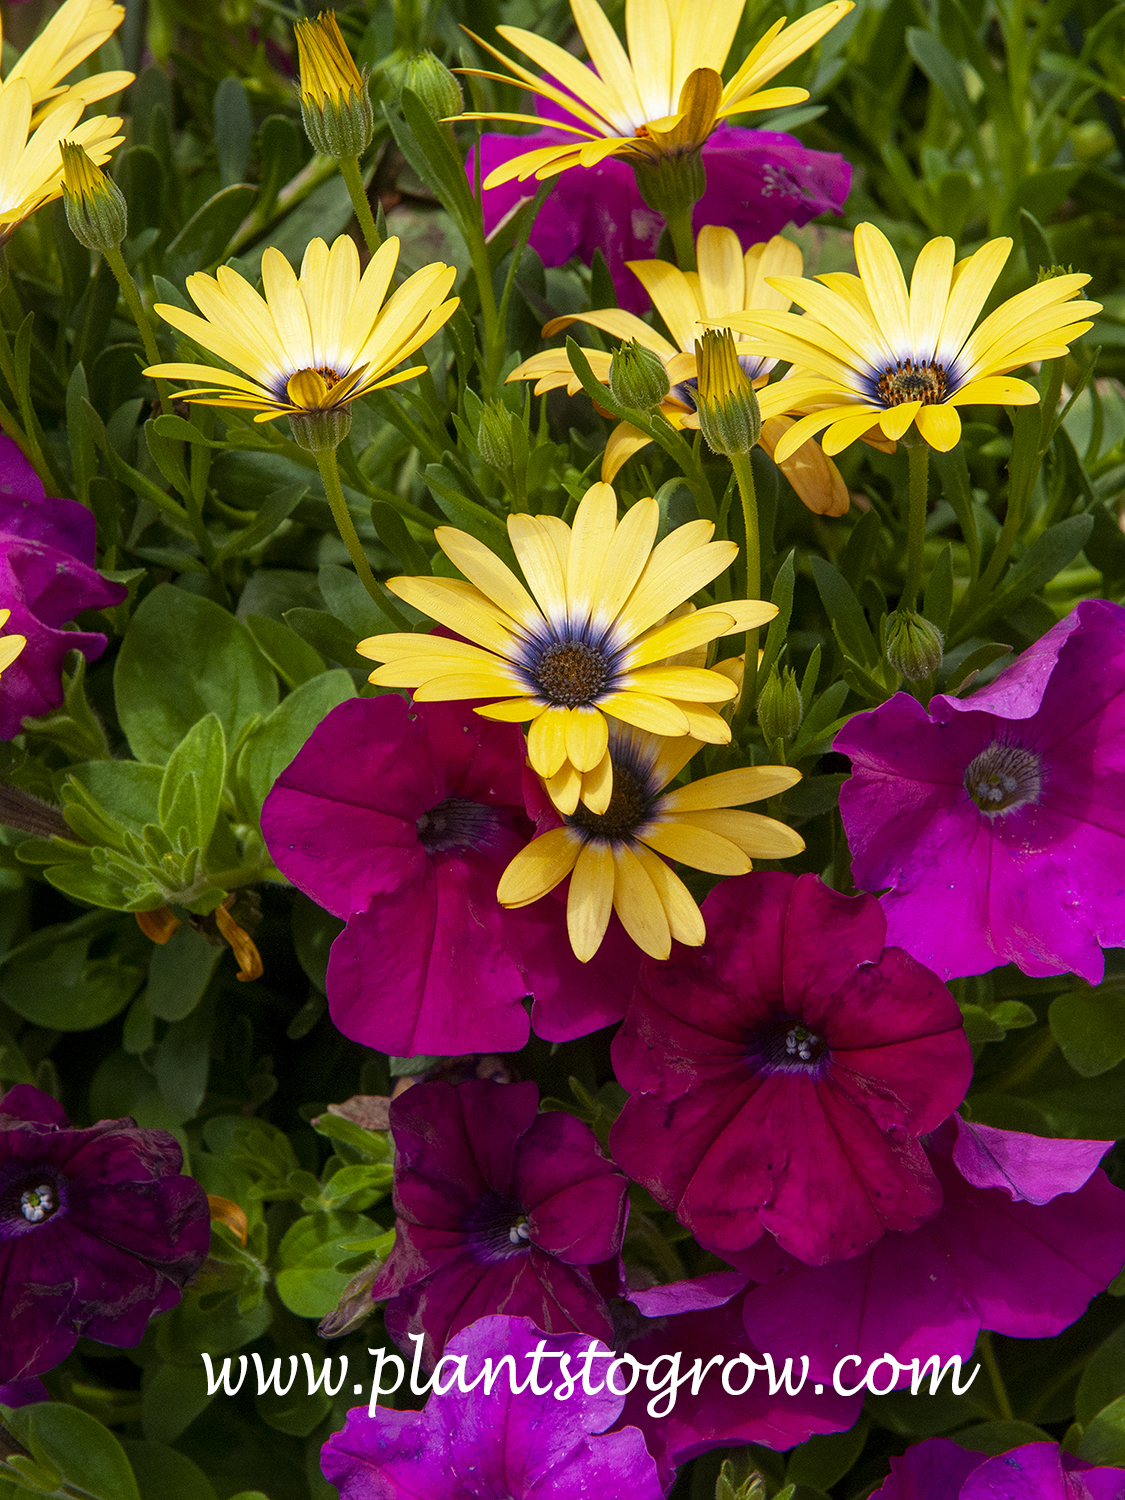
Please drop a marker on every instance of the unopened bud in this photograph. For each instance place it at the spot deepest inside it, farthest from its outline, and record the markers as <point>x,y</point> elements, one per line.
<point>637,377</point>
<point>728,1486</point>
<point>728,407</point>
<point>335,105</point>
<point>914,645</point>
<point>95,205</point>
<point>779,705</point>
<point>1051,273</point>
<point>440,93</point>
<point>494,436</point>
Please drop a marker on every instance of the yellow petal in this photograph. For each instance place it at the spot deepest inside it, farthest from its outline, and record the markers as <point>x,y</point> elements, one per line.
<point>538,556</point>
<point>929,294</point>
<point>705,724</point>
<point>597,785</point>
<point>730,788</point>
<point>722,271</point>
<point>695,847</point>
<point>673,298</point>
<point>693,684</point>
<point>626,559</point>
<point>940,426</point>
<point>540,867</point>
<point>685,920</point>
<point>624,441</point>
<point>645,712</point>
<point>695,629</point>
<point>595,522</point>
<point>847,430</point>
<point>564,788</point>
<point>460,606</point>
<point>546,741</point>
<point>587,735</point>
<point>459,686</point>
<point>656,594</point>
<point>898,419</point>
<point>973,279</point>
<point>816,479</point>
<point>886,287</point>
<point>589,901</point>
<point>757,836</point>
<point>638,905</point>
<point>483,568</point>
<point>515,711</point>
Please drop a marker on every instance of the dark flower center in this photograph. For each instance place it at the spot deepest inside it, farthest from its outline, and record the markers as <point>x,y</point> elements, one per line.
<point>456,823</point>
<point>329,376</point>
<point>495,1228</point>
<point>1003,777</point>
<point>785,1044</point>
<point>570,674</point>
<point>907,381</point>
<point>630,807</point>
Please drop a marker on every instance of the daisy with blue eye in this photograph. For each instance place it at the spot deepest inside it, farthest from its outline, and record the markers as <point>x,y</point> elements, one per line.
<point>585,640</point>
<point>870,354</point>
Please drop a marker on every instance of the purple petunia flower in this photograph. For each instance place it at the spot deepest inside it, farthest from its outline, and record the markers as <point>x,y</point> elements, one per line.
<point>500,1209</point>
<point>701,1321</point>
<point>758,181</point>
<point>782,1073</point>
<point>47,576</point>
<point>468,1445</point>
<point>996,825</point>
<point>23,1393</point>
<point>1028,1233</point>
<point>400,818</point>
<point>98,1231</point>
<point>942,1470</point>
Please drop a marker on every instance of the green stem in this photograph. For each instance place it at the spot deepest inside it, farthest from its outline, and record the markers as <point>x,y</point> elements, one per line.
<point>141,319</point>
<point>744,473</point>
<point>683,241</point>
<point>999,1390</point>
<point>31,445</point>
<point>491,334</point>
<point>918,455</point>
<point>349,171</point>
<point>330,477</point>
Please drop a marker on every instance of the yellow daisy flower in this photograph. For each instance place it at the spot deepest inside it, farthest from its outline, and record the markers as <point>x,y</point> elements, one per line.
<point>662,97</point>
<point>613,857</point>
<point>726,282</point>
<point>589,641</point>
<point>10,645</point>
<point>75,30</point>
<point>31,169</point>
<point>313,343</point>
<point>869,354</point>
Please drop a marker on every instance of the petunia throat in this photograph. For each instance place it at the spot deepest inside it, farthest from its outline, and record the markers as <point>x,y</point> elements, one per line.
<point>787,1044</point>
<point>1003,777</point>
<point>496,1227</point>
<point>38,1203</point>
<point>456,823</point>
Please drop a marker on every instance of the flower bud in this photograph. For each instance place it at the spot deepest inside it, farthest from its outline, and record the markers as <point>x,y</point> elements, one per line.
<point>335,105</point>
<point>914,645</point>
<point>728,1487</point>
<point>637,377</point>
<point>728,407</point>
<point>779,705</point>
<point>494,436</point>
<point>95,205</point>
<point>318,431</point>
<point>440,93</point>
<point>671,182</point>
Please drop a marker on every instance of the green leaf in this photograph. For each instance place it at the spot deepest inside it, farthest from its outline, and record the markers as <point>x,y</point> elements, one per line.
<point>178,429</point>
<point>297,1412</point>
<point>66,991</point>
<point>325,634</point>
<point>845,613</point>
<point>939,591</point>
<point>174,1396</point>
<point>446,174</point>
<point>234,130</point>
<point>202,240</point>
<point>1103,1379</point>
<point>307,1282</point>
<point>293,659</point>
<point>278,505</point>
<point>198,764</point>
<point>392,532</point>
<point>823,1460</point>
<point>349,601</point>
<point>1035,246</point>
<point>944,72</point>
<point>782,596</point>
<point>974,663</point>
<point>1103,1441</point>
<point>182,658</point>
<point>164,1474</point>
<point>1089,1026</point>
<point>85,1453</point>
<point>998,1437</point>
<point>178,974</point>
<point>183,1061</point>
<point>279,737</point>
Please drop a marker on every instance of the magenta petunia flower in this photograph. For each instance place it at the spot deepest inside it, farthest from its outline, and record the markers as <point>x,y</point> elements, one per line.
<point>758,181</point>
<point>23,1393</point>
<point>47,576</point>
<point>699,1320</point>
<point>401,819</point>
<point>468,1445</point>
<point>938,1469</point>
<point>500,1209</point>
<point>995,825</point>
<point>782,1074</point>
<point>1028,1233</point>
<point>98,1231</point>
